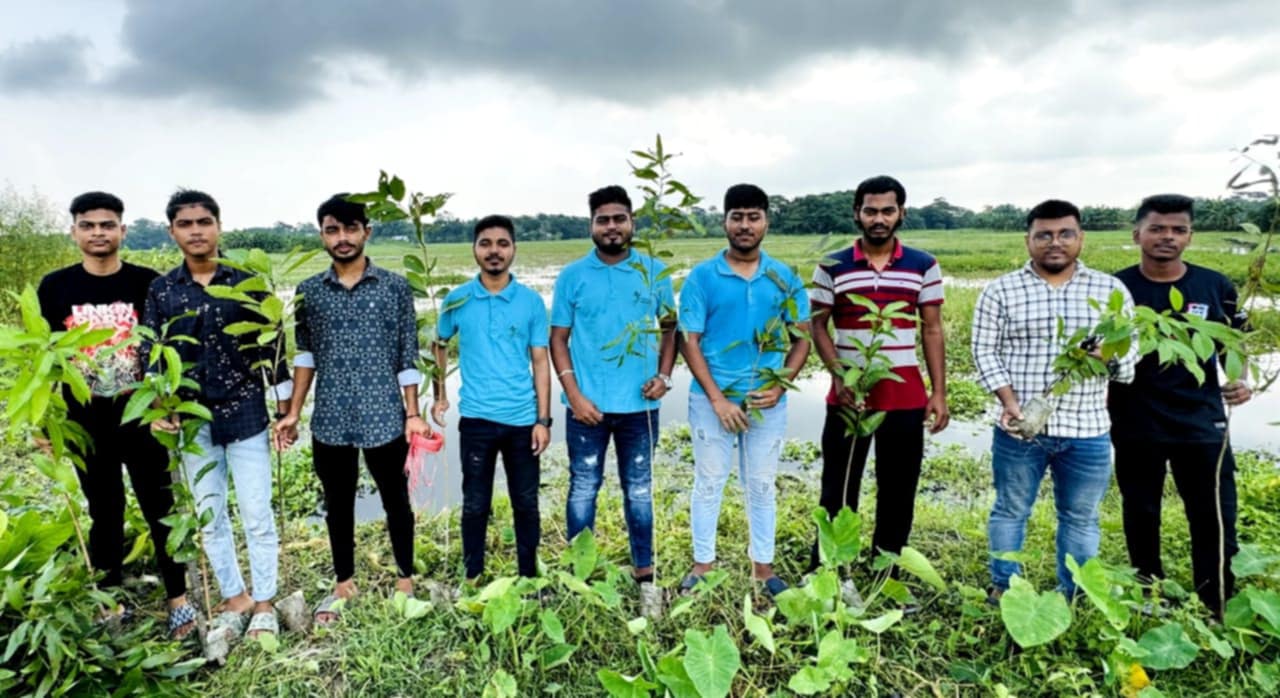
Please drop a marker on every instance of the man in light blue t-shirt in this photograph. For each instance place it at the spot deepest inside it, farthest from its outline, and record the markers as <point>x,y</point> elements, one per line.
<point>505,398</point>
<point>737,311</point>
<point>613,346</point>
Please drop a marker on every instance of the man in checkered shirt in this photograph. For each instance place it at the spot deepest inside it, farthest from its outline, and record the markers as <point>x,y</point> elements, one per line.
<point>1015,340</point>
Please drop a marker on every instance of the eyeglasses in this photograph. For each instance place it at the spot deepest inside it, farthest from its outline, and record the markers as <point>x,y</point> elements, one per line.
<point>1045,237</point>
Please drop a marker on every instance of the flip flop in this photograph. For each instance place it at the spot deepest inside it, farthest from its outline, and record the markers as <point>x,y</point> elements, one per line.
<point>690,581</point>
<point>330,604</point>
<point>774,586</point>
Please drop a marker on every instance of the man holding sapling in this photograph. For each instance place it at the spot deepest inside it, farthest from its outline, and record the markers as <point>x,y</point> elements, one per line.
<point>235,445</point>
<point>505,398</point>
<point>738,312</point>
<point>1018,326</point>
<point>1168,419</point>
<point>357,337</point>
<point>879,268</point>
<point>103,291</point>
<point>613,346</point>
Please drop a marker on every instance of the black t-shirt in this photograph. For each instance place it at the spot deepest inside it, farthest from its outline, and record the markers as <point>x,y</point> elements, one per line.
<point>72,296</point>
<point>1164,403</point>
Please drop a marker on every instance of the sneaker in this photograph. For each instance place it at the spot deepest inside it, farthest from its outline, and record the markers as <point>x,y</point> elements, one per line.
<point>651,600</point>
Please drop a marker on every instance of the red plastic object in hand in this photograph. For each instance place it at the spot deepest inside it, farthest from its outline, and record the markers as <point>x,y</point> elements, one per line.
<point>430,444</point>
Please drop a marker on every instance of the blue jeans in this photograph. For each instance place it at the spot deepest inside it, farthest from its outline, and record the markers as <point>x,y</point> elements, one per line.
<point>1081,471</point>
<point>757,459</point>
<point>633,434</point>
<point>248,462</point>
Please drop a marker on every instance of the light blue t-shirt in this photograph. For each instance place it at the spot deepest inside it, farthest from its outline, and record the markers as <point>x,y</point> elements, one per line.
<point>495,332</point>
<point>729,311</point>
<point>612,311</point>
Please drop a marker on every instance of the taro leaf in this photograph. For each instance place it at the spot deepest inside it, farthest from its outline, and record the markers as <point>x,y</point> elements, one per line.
<point>673,676</point>
<point>1220,646</point>
<point>501,685</point>
<point>556,655</point>
<point>635,626</point>
<point>809,681</point>
<point>882,623</point>
<point>839,540</point>
<point>757,625</point>
<point>620,686</point>
<point>1092,577</point>
<point>917,564</point>
<point>1033,618</point>
<point>1168,647</point>
<point>711,661</point>
<point>835,651</point>
<point>415,608</point>
<point>1266,675</point>
<point>1266,604</point>
<point>797,605</point>
<point>268,642</point>
<point>552,626</point>
<point>582,554</point>
<point>1252,560</point>
<point>501,612</point>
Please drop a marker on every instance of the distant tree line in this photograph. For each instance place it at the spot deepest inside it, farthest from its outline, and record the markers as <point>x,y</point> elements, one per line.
<point>803,215</point>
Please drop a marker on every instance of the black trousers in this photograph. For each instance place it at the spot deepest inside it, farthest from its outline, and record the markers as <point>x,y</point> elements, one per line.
<point>899,446</point>
<point>338,468</point>
<point>480,442</point>
<point>103,484</point>
<point>1140,473</point>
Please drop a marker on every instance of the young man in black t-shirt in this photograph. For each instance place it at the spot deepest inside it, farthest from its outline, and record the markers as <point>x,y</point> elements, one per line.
<point>1166,416</point>
<point>104,291</point>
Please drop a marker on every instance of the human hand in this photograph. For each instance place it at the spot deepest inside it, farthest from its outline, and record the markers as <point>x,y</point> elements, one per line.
<point>731,416</point>
<point>541,439</point>
<point>936,413</point>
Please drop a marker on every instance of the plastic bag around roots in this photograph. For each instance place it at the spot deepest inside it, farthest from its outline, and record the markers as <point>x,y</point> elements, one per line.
<point>424,459</point>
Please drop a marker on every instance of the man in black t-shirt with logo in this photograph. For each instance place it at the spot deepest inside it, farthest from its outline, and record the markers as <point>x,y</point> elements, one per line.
<point>106,292</point>
<point>1166,416</point>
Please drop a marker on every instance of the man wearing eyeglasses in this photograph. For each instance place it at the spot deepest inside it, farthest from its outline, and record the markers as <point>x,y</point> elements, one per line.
<point>1015,340</point>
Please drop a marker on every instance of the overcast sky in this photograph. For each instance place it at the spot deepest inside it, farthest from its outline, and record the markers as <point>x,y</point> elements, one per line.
<point>526,107</point>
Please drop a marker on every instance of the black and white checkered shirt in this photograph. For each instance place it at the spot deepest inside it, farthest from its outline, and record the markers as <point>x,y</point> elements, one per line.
<point>1015,340</point>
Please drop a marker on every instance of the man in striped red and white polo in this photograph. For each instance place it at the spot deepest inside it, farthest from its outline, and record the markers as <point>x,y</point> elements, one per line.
<point>881,269</point>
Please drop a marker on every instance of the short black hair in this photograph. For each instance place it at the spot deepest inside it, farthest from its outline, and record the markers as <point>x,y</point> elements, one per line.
<point>1166,203</point>
<point>880,184</point>
<point>191,197</point>
<point>94,200</point>
<point>345,212</point>
<point>1052,208</point>
<point>495,221</point>
<point>612,194</point>
<point>745,196</point>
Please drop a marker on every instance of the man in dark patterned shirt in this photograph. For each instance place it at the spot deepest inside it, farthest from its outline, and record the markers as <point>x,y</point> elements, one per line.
<point>235,443</point>
<point>357,336</point>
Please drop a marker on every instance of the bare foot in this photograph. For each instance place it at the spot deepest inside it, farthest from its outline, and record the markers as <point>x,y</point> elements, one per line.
<point>261,607</point>
<point>240,604</point>
<point>185,629</point>
<point>405,584</point>
<point>343,590</point>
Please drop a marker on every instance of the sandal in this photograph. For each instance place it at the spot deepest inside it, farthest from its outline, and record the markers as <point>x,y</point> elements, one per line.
<point>263,623</point>
<point>330,604</point>
<point>179,618</point>
<point>774,586</point>
<point>690,581</point>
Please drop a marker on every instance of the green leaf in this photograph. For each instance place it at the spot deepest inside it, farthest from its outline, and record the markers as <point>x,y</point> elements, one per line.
<point>1265,603</point>
<point>1252,560</point>
<point>1033,618</point>
<point>809,681</point>
<point>269,642</point>
<point>1168,647</point>
<point>917,564</point>
<point>236,329</point>
<point>882,623</point>
<point>797,605</point>
<point>673,676</point>
<point>1092,577</point>
<point>501,685</point>
<point>635,626</point>
<point>835,651</point>
<point>501,612</point>
<point>556,655</point>
<point>413,263</point>
<point>757,625</point>
<point>583,554</point>
<point>552,626</point>
<point>1175,299</point>
<point>711,661</point>
<point>620,686</point>
<point>839,541</point>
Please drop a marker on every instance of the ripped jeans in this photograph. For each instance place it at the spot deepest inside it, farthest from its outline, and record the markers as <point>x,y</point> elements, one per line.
<point>715,452</point>
<point>633,435</point>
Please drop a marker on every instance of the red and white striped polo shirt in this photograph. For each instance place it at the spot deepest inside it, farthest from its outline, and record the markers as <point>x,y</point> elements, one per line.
<point>911,276</point>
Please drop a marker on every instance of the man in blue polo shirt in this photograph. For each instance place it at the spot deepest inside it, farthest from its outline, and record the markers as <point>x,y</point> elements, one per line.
<point>505,398</point>
<point>614,367</point>
<point>737,311</point>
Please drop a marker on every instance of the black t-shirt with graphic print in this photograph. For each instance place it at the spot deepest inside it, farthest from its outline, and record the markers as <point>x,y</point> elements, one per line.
<point>1165,403</point>
<point>72,296</point>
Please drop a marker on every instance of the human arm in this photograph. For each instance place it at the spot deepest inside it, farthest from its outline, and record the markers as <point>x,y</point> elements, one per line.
<point>936,411</point>
<point>542,389</point>
<point>655,388</point>
<point>584,410</point>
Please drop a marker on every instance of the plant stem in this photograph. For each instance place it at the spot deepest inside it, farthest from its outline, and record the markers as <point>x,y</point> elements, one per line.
<point>75,521</point>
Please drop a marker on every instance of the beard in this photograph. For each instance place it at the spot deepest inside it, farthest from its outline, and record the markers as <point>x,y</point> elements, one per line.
<point>878,235</point>
<point>612,248</point>
<point>349,256</point>
<point>744,247</point>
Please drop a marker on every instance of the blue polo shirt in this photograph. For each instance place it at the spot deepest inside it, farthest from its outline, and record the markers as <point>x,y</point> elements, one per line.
<point>606,307</point>
<point>495,332</point>
<point>729,310</point>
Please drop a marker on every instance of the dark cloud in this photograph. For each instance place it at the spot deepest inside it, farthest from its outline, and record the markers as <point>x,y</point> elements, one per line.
<point>43,64</point>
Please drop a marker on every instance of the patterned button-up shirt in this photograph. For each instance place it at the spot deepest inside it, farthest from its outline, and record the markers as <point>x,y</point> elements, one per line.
<point>222,363</point>
<point>1015,340</point>
<point>363,344</point>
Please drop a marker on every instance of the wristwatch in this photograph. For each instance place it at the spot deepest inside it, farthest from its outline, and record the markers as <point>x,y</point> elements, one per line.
<point>544,422</point>
<point>666,380</point>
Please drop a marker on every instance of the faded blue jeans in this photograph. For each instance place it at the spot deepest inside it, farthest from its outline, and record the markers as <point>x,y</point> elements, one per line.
<point>715,453</point>
<point>1081,472</point>
<point>633,435</point>
<point>248,463</point>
